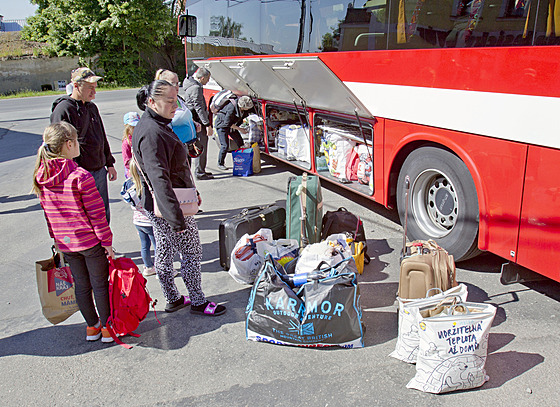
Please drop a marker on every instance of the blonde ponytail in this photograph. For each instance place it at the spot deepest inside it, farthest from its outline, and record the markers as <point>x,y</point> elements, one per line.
<point>134,173</point>
<point>54,138</point>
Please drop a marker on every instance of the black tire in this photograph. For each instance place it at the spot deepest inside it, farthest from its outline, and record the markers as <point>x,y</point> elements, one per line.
<point>443,203</point>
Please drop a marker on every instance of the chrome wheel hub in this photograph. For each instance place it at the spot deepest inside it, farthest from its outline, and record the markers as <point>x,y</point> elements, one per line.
<point>434,203</point>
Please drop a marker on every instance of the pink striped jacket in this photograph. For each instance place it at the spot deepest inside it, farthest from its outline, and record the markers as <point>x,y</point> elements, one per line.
<point>73,208</point>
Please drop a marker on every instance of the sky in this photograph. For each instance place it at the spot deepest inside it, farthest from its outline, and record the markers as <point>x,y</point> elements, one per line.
<point>16,9</point>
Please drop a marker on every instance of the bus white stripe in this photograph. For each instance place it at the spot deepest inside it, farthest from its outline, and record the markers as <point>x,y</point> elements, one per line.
<point>528,119</point>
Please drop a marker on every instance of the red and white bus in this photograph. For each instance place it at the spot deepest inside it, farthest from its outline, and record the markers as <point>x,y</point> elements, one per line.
<point>460,96</point>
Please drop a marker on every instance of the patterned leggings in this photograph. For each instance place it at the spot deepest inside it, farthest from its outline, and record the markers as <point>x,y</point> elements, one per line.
<point>187,244</point>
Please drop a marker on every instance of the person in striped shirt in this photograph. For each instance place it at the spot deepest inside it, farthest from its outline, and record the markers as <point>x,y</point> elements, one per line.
<point>75,215</point>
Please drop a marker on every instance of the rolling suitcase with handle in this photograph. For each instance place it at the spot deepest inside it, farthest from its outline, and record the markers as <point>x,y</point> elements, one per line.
<point>250,220</point>
<point>424,264</point>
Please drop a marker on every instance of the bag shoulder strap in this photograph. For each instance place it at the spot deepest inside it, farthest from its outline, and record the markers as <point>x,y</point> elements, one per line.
<point>304,206</point>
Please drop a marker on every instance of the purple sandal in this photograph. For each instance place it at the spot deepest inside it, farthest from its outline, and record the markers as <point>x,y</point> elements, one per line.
<point>177,305</point>
<point>208,308</point>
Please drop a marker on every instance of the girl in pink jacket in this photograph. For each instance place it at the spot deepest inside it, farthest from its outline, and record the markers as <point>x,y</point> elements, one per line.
<point>76,220</point>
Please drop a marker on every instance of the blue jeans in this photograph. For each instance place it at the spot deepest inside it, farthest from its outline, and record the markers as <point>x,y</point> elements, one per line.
<point>147,238</point>
<point>100,177</point>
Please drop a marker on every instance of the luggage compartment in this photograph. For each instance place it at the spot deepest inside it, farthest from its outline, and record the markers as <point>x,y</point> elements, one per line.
<point>342,154</point>
<point>288,135</point>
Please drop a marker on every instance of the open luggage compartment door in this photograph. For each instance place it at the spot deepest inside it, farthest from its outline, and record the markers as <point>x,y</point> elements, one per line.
<point>301,79</point>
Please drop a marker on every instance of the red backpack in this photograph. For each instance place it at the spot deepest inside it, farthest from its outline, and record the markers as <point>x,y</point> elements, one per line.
<point>129,298</point>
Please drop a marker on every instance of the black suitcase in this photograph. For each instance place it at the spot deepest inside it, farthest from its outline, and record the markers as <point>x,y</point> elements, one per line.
<point>250,220</point>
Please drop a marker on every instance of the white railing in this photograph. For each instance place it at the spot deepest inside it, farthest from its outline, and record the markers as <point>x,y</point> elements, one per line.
<point>12,25</point>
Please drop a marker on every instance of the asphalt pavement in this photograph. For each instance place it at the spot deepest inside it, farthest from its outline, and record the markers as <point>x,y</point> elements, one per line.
<point>190,360</point>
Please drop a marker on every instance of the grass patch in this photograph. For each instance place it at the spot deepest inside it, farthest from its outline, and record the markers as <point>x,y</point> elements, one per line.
<point>31,93</point>
<point>13,46</point>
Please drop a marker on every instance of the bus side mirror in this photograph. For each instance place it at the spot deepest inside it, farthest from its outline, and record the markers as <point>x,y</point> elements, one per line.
<point>186,26</point>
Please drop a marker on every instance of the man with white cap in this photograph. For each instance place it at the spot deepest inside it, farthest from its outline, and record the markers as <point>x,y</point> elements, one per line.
<point>79,110</point>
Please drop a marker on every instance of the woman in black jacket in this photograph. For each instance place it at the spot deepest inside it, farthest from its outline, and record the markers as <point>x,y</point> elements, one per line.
<point>162,159</point>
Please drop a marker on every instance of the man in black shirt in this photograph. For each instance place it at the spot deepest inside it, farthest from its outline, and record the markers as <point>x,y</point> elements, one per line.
<point>79,110</point>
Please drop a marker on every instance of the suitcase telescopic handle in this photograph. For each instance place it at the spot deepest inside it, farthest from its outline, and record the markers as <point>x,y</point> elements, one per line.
<point>406,198</point>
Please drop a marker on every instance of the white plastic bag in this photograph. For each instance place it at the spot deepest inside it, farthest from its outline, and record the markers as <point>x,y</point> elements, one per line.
<point>330,251</point>
<point>255,126</point>
<point>246,262</point>
<point>408,339</point>
<point>281,250</point>
<point>297,143</point>
<point>338,150</point>
<point>453,348</point>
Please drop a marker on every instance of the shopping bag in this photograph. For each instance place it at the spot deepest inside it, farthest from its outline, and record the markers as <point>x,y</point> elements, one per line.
<point>408,340</point>
<point>243,162</point>
<point>256,158</point>
<point>56,288</point>
<point>297,143</point>
<point>338,152</point>
<point>322,312</point>
<point>453,347</point>
<point>281,250</point>
<point>247,258</point>
<point>358,253</point>
<point>330,251</point>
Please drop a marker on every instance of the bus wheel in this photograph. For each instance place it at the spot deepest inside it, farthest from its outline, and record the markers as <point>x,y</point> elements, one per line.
<point>443,203</point>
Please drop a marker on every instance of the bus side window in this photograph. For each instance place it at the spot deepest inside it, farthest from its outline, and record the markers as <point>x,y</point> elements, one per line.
<point>462,23</point>
<point>364,28</point>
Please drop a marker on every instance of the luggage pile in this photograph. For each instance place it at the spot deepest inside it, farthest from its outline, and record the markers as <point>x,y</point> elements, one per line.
<point>438,330</point>
<point>305,290</point>
<point>447,338</point>
<point>345,159</point>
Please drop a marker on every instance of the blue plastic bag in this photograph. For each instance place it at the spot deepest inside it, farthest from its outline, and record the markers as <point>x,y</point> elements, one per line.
<point>243,162</point>
<point>183,125</point>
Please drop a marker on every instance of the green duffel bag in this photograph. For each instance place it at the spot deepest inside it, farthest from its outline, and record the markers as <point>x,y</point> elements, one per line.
<point>304,196</point>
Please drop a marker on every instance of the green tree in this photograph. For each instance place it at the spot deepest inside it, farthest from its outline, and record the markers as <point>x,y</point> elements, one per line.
<point>121,37</point>
<point>329,41</point>
<point>227,28</point>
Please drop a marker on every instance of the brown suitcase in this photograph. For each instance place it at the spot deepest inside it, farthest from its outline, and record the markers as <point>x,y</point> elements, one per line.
<point>424,265</point>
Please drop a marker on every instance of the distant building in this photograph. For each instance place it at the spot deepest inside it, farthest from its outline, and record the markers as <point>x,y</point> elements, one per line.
<point>11,25</point>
